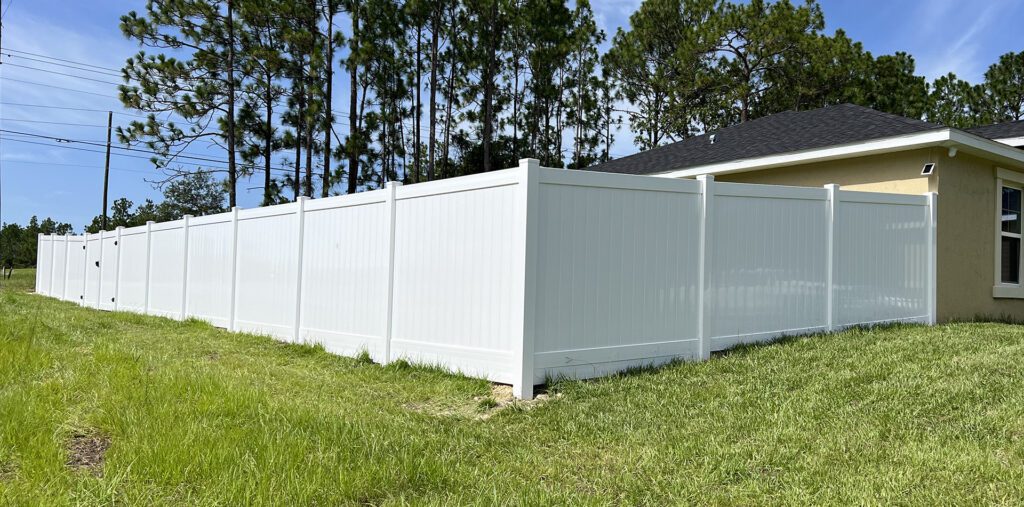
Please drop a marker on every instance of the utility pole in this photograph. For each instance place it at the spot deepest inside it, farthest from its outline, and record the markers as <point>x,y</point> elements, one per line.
<point>106,167</point>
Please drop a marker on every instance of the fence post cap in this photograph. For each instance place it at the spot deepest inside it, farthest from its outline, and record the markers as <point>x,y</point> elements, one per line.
<point>706,177</point>
<point>832,186</point>
<point>390,184</point>
<point>529,163</point>
<point>150,222</point>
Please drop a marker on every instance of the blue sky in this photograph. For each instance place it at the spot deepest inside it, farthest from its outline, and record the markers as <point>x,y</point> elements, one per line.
<point>46,180</point>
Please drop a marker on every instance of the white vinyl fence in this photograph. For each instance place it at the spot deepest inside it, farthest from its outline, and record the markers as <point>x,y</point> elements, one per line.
<point>525,273</point>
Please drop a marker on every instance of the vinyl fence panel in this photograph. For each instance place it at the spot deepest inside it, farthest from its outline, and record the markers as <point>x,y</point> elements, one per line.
<point>879,276</point>
<point>454,274</point>
<point>767,276</point>
<point>74,288</point>
<point>44,264</point>
<point>59,269</point>
<point>93,272</point>
<point>210,258</point>
<point>617,273</point>
<point>524,274</point>
<point>108,270</point>
<point>167,269</point>
<point>134,266</point>
<point>267,271</point>
<point>345,274</point>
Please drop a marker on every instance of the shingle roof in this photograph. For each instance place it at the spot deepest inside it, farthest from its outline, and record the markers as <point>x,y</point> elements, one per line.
<point>771,135</point>
<point>1000,130</point>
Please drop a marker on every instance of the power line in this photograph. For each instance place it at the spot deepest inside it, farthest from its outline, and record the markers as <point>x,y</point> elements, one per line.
<point>32,162</point>
<point>20,120</point>
<point>4,14</point>
<point>85,109</point>
<point>277,169</point>
<point>84,64</point>
<point>62,74</point>
<point>62,65</point>
<point>56,87</point>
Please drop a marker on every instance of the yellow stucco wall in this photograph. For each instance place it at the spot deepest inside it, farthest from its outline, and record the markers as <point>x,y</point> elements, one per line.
<point>967,242</point>
<point>966,186</point>
<point>895,173</point>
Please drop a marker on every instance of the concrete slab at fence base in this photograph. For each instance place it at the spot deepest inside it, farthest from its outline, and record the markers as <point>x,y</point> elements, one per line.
<point>524,274</point>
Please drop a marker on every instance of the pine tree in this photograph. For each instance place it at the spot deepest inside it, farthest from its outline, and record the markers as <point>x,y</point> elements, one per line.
<point>200,89</point>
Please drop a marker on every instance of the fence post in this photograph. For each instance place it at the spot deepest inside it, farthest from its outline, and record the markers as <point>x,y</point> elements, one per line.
<point>39,252</point>
<point>300,217</point>
<point>932,297</point>
<point>391,188</point>
<point>117,273</point>
<point>85,270</point>
<point>99,272</point>
<point>184,269</point>
<point>234,267</point>
<point>67,262</point>
<point>833,195</point>
<point>149,265</point>
<point>53,262</point>
<point>526,238</point>
<point>707,192</point>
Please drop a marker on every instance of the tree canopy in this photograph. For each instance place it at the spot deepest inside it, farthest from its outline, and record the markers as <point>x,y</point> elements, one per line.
<point>451,87</point>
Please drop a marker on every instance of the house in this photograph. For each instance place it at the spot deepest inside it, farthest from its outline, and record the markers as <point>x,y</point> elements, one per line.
<point>977,173</point>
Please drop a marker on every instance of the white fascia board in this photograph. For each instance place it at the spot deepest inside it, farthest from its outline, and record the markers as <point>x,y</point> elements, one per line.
<point>942,137</point>
<point>970,143</point>
<point>1012,141</point>
<point>988,148</point>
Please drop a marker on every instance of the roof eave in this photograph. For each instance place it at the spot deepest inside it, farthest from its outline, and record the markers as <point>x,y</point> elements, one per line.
<point>945,137</point>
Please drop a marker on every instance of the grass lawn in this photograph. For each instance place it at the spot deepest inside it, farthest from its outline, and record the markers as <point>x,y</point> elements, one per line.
<point>99,408</point>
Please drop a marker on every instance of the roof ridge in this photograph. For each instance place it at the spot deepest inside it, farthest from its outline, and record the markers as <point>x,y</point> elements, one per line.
<point>892,116</point>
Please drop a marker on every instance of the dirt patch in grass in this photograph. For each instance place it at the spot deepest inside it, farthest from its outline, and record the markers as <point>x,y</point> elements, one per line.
<point>86,452</point>
<point>7,470</point>
<point>483,407</point>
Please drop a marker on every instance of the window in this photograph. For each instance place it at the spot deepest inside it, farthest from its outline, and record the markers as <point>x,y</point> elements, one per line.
<point>928,169</point>
<point>1009,280</point>
<point>1009,265</point>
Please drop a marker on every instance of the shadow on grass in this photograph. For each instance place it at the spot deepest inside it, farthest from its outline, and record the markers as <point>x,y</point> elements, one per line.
<point>555,384</point>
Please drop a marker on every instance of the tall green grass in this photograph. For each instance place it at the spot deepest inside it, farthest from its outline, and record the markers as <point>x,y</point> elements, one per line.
<point>196,415</point>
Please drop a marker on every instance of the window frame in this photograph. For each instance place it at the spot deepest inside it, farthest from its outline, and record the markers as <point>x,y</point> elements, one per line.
<point>1009,179</point>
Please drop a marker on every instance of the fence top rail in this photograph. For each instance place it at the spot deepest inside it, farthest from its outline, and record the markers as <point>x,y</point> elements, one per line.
<point>166,226</point>
<point>132,231</point>
<point>770,191</point>
<point>881,198</point>
<point>347,201</point>
<point>217,218</point>
<point>500,178</point>
<point>267,211</point>
<point>617,181</point>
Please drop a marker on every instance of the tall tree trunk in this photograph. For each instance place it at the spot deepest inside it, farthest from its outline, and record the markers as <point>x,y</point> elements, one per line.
<point>492,49</point>
<point>232,170</point>
<point>435,26</point>
<point>299,136</point>
<point>419,104</point>
<point>515,103</point>
<point>353,102</point>
<point>268,145</point>
<point>449,100</point>
<point>328,103</point>
<point>310,93</point>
